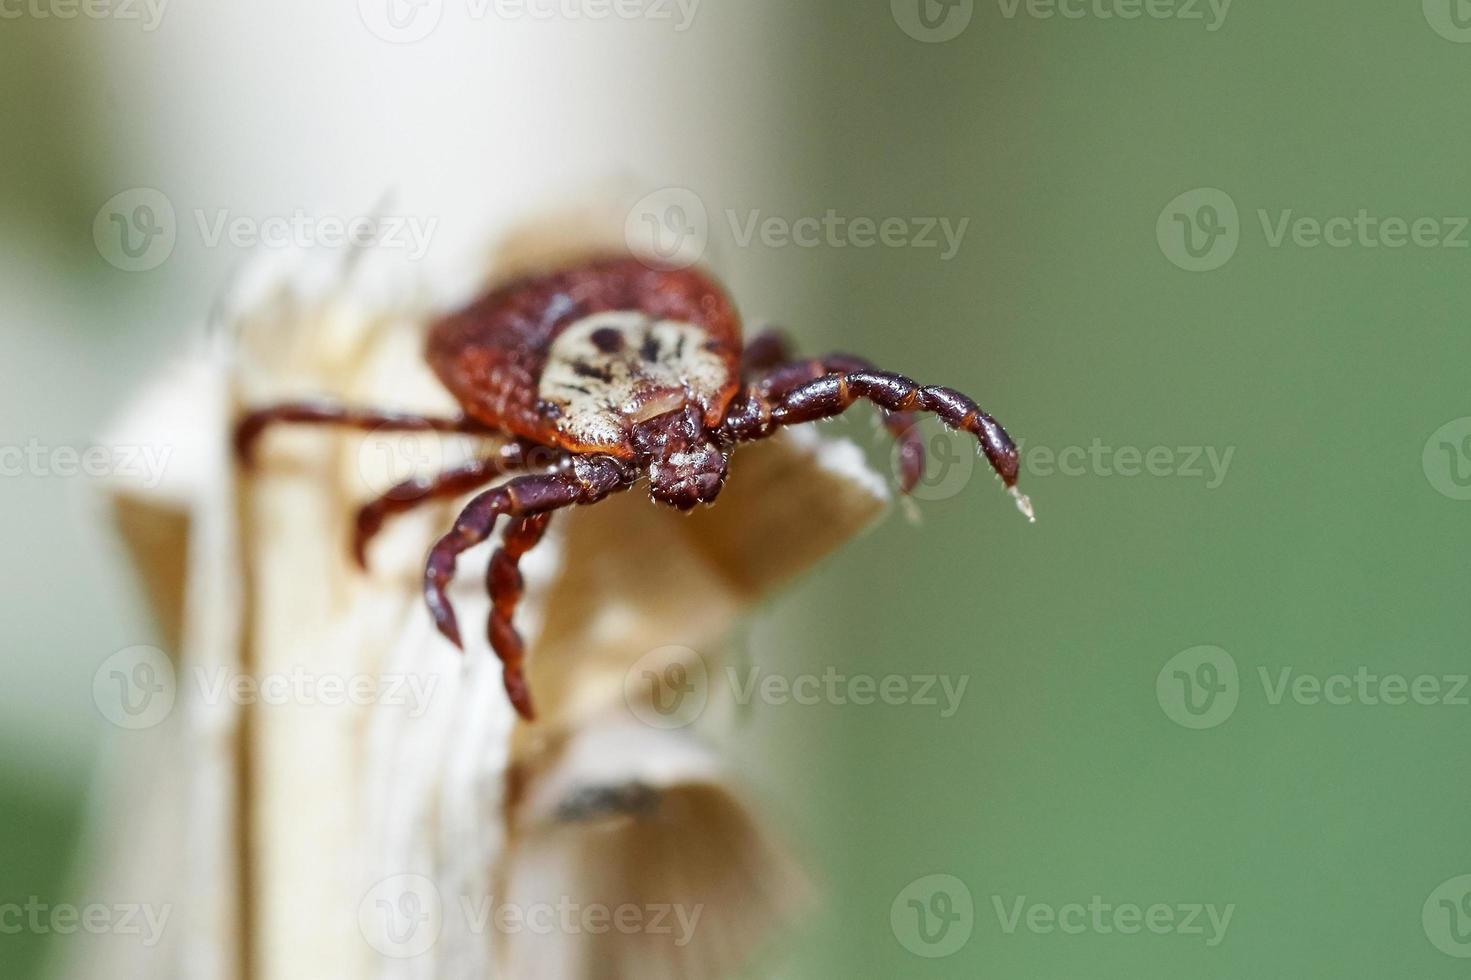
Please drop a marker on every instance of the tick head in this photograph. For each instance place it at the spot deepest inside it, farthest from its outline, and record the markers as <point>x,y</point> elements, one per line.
<point>685,467</point>
<point>687,476</point>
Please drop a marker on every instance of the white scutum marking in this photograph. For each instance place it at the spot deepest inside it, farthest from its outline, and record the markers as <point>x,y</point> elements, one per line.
<point>616,388</point>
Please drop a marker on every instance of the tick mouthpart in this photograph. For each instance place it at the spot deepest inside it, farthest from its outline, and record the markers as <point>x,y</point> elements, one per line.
<point>683,480</point>
<point>686,474</point>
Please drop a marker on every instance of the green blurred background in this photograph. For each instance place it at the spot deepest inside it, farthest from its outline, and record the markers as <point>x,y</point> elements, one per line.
<point>1333,542</point>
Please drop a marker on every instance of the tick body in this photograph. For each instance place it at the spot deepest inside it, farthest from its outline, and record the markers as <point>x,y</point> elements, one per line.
<point>599,377</point>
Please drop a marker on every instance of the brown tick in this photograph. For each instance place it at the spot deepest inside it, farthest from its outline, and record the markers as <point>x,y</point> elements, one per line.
<point>598,376</point>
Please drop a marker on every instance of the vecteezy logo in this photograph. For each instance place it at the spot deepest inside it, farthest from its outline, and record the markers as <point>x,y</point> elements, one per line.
<point>669,228</point>
<point>668,687</point>
<point>402,916</point>
<point>1447,917</point>
<point>135,688</point>
<point>949,465</point>
<point>1451,19</point>
<point>1199,230</point>
<point>1447,459</point>
<point>1199,687</point>
<point>401,21</point>
<point>391,463</point>
<point>136,229</point>
<point>933,21</point>
<point>933,916</point>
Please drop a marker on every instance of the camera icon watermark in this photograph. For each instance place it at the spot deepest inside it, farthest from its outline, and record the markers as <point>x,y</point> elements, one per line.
<point>136,229</point>
<point>1451,19</point>
<point>933,21</point>
<point>401,21</point>
<point>1199,230</point>
<point>135,688</point>
<point>1447,459</point>
<point>1446,917</point>
<point>669,228</point>
<point>1199,687</point>
<point>402,917</point>
<point>668,687</point>
<point>933,916</point>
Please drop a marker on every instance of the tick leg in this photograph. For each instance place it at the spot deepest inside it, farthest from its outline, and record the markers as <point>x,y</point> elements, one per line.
<point>781,379</point>
<point>755,414</point>
<point>765,351</point>
<point>472,475</point>
<point>250,429</point>
<point>585,480</point>
<point>506,586</point>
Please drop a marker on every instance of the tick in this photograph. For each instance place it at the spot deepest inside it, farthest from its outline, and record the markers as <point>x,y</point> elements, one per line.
<point>596,378</point>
